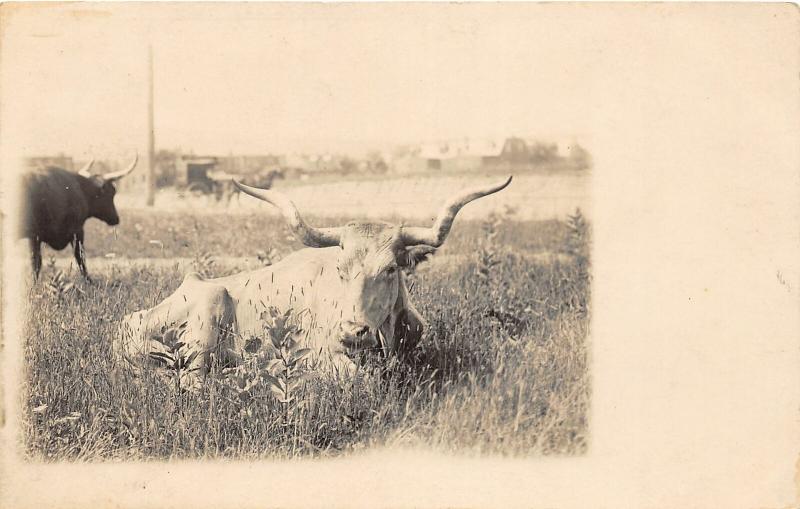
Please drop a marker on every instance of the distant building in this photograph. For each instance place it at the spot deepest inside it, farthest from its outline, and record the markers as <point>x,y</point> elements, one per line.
<point>515,151</point>
<point>324,163</point>
<point>424,158</point>
<point>297,162</point>
<point>462,155</point>
<point>449,156</point>
<point>471,155</point>
<point>249,164</point>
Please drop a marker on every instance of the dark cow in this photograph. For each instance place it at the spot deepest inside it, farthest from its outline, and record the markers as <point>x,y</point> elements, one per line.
<point>57,202</point>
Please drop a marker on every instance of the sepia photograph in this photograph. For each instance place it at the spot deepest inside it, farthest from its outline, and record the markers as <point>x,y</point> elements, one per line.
<point>307,285</point>
<point>339,237</point>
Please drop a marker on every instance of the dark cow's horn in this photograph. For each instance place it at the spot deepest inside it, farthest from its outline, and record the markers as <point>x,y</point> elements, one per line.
<point>84,172</point>
<point>116,175</point>
<point>308,235</point>
<point>434,236</point>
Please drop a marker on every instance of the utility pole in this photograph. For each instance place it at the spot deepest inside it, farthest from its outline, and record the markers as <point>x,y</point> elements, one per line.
<point>151,143</point>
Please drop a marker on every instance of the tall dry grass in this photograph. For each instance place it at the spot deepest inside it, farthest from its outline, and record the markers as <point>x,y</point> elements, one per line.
<point>501,369</point>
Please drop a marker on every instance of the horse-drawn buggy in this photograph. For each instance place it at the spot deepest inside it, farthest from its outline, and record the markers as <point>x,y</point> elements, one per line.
<point>200,176</point>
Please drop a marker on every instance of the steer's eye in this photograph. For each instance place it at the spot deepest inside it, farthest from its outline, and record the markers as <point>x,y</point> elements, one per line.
<point>390,271</point>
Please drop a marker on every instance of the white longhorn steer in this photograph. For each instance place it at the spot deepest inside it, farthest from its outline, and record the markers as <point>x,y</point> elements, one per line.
<point>348,288</point>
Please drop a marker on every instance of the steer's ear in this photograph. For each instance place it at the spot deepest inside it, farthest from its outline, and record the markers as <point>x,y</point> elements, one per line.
<point>415,255</point>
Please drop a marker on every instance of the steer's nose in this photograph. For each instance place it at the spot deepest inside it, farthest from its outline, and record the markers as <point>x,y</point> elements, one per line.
<point>356,336</point>
<point>354,329</point>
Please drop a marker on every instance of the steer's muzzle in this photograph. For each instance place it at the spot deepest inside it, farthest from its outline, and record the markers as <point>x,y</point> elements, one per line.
<point>355,335</point>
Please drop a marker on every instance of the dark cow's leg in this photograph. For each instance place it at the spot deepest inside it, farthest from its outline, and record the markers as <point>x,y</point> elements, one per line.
<point>80,254</point>
<point>36,256</point>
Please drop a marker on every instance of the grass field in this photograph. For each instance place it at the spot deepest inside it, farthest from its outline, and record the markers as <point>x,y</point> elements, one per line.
<point>501,369</point>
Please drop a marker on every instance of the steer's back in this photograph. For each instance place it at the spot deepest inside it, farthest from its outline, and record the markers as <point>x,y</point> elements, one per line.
<point>229,309</point>
<point>53,206</point>
<point>304,281</point>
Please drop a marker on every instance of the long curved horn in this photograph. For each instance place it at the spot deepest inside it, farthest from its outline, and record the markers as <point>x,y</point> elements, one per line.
<point>116,175</point>
<point>84,172</point>
<point>308,235</point>
<point>435,236</point>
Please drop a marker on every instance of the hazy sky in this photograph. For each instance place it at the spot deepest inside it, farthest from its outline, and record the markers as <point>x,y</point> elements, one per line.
<point>255,78</point>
